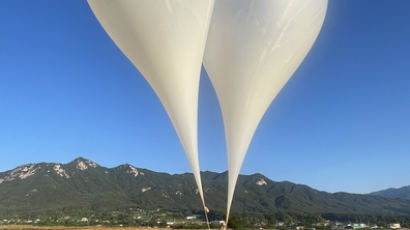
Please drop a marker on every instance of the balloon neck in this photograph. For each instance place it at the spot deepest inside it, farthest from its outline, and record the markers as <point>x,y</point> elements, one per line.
<point>224,226</point>
<point>206,211</point>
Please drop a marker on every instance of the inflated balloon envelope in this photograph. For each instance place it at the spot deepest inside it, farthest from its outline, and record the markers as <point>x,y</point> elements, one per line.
<point>165,40</point>
<point>253,48</point>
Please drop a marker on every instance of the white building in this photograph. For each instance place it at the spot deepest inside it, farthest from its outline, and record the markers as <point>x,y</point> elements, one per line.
<point>84,219</point>
<point>193,217</point>
<point>279,224</point>
<point>394,226</point>
<point>170,223</point>
<point>356,226</point>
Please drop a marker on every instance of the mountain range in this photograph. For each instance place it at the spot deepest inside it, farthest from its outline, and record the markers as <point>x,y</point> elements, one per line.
<point>84,185</point>
<point>402,193</point>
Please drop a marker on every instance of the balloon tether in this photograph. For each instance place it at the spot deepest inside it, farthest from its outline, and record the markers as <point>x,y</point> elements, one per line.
<point>206,217</point>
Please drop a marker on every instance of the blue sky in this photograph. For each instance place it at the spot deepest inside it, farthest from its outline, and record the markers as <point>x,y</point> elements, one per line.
<point>342,123</point>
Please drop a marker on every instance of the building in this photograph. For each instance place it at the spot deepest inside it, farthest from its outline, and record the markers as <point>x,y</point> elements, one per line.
<point>280,224</point>
<point>338,226</point>
<point>218,222</point>
<point>193,217</point>
<point>394,226</point>
<point>169,223</point>
<point>84,219</point>
<point>325,223</point>
<point>356,226</point>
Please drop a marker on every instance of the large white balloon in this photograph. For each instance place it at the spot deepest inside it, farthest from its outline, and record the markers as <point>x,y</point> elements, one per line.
<point>253,48</point>
<point>165,40</point>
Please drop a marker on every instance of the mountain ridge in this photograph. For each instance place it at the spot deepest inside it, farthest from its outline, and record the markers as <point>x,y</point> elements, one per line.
<point>85,185</point>
<point>402,193</point>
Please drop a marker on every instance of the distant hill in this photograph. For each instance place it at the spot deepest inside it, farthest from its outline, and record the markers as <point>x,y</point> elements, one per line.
<point>401,193</point>
<point>85,185</point>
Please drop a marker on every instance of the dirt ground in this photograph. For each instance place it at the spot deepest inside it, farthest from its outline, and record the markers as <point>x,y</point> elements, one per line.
<point>23,227</point>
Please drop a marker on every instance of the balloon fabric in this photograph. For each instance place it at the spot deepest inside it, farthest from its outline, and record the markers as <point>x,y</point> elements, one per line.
<point>253,48</point>
<point>165,40</point>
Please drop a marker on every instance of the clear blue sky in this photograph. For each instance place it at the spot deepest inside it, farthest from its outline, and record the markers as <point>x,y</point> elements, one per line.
<point>342,123</point>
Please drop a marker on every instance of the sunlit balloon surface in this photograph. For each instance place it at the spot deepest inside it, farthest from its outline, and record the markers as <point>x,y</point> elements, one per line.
<point>253,48</point>
<point>165,40</point>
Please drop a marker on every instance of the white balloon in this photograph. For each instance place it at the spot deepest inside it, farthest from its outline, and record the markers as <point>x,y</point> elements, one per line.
<point>253,48</point>
<point>165,40</point>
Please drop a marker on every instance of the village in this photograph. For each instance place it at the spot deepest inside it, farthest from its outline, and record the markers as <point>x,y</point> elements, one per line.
<point>188,222</point>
